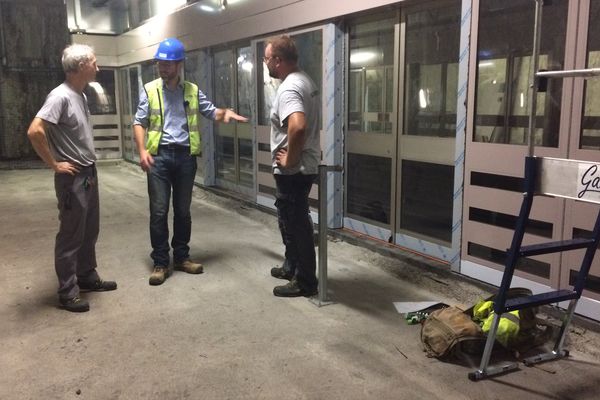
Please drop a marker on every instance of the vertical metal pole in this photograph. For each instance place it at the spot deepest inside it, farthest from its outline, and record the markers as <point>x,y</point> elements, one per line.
<point>537,37</point>
<point>322,233</point>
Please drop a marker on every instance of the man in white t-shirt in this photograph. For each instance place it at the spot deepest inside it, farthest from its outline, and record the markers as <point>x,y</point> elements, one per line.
<point>295,151</point>
<point>61,134</point>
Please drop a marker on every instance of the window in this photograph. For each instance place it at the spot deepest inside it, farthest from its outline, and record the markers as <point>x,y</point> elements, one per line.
<point>432,47</point>
<point>590,133</point>
<point>101,94</point>
<point>310,59</point>
<point>504,71</point>
<point>371,76</point>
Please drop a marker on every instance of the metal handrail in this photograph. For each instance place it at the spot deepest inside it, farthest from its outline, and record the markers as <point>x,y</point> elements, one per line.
<point>572,73</point>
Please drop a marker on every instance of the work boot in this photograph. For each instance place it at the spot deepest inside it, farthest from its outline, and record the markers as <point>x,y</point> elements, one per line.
<point>159,275</point>
<point>281,273</point>
<point>97,286</point>
<point>189,266</point>
<point>293,289</point>
<point>74,304</point>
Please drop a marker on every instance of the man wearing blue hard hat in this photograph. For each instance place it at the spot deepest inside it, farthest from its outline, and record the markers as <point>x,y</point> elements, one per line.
<point>168,112</point>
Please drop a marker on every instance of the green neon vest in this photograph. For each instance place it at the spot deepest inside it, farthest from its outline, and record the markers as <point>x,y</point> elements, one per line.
<point>156,116</point>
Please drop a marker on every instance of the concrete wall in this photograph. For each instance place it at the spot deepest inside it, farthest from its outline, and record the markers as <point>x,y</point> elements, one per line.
<point>33,34</point>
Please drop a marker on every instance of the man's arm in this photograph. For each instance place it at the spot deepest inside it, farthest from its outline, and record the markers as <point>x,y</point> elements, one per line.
<point>287,158</point>
<point>37,136</point>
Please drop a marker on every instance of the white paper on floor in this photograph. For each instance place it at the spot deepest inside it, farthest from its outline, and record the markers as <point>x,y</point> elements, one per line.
<point>404,307</point>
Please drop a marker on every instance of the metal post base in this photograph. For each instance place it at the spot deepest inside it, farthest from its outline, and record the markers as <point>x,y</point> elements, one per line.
<point>320,303</point>
<point>493,370</point>
<point>553,355</point>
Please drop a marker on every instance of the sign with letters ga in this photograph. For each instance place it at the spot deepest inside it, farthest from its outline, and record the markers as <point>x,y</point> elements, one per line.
<point>588,182</point>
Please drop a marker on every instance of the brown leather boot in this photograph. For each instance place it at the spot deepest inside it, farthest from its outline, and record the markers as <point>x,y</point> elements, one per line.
<point>189,266</point>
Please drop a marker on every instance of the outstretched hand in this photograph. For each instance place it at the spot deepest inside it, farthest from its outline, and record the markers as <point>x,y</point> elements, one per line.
<point>230,114</point>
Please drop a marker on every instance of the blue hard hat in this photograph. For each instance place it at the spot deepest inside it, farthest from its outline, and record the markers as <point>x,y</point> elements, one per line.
<point>170,49</point>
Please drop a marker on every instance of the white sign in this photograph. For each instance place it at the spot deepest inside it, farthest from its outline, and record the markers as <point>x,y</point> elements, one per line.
<point>588,182</point>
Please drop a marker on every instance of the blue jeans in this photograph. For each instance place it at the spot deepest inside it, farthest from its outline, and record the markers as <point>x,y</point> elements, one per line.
<point>174,170</point>
<point>296,227</point>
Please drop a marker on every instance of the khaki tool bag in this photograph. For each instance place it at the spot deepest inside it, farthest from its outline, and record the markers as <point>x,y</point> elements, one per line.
<point>448,331</point>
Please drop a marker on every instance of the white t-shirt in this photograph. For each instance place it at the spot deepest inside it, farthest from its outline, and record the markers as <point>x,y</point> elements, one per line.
<point>70,136</point>
<point>297,93</point>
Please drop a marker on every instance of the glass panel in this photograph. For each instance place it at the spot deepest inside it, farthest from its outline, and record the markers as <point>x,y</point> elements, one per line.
<point>432,49</point>
<point>194,61</point>
<point>126,115</point>
<point>225,98</point>
<point>371,76</point>
<point>427,199</point>
<point>590,133</point>
<point>245,89</point>
<point>310,59</point>
<point>101,94</point>
<point>503,68</point>
<point>134,86</point>
<point>149,71</point>
<point>310,55</point>
<point>245,66</point>
<point>224,88</point>
<point>369,187</point>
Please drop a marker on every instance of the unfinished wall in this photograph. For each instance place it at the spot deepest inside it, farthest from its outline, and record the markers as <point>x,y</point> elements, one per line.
<point>33,34</point>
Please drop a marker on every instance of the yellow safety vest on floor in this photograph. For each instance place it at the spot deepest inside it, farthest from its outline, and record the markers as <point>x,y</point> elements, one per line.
<point>508,327</point>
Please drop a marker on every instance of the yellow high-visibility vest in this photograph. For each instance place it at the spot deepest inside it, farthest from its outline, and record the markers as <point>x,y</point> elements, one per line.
<point>156,116</point>
<point>508,327</point>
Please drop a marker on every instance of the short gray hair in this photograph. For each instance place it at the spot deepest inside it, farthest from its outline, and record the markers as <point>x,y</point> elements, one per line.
<point>75,54</point>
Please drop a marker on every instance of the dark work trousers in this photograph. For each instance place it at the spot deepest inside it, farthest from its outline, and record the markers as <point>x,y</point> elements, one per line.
<point>174,170</point>
<point>296,226</point>
<point>79,215</point>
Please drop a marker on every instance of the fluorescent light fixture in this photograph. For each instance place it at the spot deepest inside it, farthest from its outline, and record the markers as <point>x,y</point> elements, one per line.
<point>484,64</point>
<point>206,8</point>
<point>522,100</point>
<point>97,87</point>
<point>422,99</point>
<point>361,57</point>
<point>247,66</point>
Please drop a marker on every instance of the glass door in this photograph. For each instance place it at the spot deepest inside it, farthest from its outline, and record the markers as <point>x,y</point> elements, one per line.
<point>371,133</point>
<point>130,85</point>
<point>233,77</point>
<point>426,148</point>
<point>102,101</point>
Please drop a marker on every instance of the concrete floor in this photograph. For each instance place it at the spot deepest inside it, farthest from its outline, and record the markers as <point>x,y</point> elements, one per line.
<point>222,334</point>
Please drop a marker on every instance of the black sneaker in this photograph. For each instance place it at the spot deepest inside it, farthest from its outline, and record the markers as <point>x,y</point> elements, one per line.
<point>97,286</point>
<point>281,273</point>
<point>75,304</point>
<point>293,289</point>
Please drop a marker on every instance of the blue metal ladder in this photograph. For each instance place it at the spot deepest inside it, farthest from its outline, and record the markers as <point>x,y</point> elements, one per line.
<point>551,177</point>
<point>535,169</point>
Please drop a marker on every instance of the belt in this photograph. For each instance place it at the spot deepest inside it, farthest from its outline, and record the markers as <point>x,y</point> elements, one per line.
<point>174,146</point>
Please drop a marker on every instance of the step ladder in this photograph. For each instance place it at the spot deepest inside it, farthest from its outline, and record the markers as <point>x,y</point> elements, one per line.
<point>545,176</point>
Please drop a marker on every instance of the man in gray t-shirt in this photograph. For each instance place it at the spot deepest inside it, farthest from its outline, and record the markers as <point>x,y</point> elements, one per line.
<point>295,151</point>
<point>61,134</point>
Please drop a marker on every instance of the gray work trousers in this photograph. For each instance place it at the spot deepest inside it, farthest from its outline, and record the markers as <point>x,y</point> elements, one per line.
<point>79,215</point>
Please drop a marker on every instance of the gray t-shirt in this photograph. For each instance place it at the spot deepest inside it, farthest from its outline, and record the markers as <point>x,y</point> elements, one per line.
<point>70,136</point>
<point>297,93</point>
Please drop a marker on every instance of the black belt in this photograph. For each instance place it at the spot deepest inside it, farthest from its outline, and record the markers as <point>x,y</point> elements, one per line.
<point>174,146</point>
